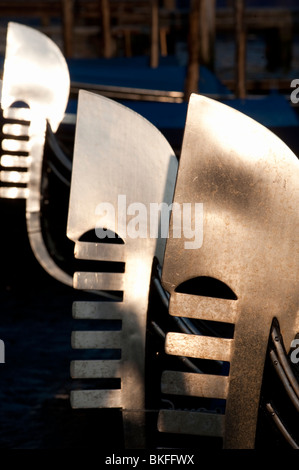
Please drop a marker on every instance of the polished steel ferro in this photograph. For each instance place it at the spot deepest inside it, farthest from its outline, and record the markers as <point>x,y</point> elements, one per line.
<point>117,153</point>
<point>248,182</point>
<point>35,91</point>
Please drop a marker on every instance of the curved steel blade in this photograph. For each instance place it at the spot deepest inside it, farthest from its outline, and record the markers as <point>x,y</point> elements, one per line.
<point>121,161</point>
<point>35,76</point>
<point>35,72</point>
<point>247,180</point>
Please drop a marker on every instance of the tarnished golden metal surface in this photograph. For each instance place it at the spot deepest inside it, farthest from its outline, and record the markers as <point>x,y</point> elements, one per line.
<point>117,153</point>
<point>35,90</point>
<point>248,182</point>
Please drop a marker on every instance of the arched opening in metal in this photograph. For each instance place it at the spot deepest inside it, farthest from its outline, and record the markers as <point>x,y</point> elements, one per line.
<point>207,287</point>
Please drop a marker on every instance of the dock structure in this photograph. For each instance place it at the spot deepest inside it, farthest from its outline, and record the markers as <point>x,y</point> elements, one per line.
<point>108,23</point>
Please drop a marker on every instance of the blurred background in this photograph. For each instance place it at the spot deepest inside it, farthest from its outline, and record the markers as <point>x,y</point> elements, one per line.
<point>110,28</point>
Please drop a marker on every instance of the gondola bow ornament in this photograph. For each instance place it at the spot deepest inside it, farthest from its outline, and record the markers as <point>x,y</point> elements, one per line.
<point>248,182</point>
<point>117,154</point>
<point>35,92</point>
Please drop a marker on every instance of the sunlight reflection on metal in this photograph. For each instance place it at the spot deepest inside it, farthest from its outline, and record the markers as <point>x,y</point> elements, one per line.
<point>117,152</point>
<point>36,72</point>
<point>20,114</point>
<point>14,177</point>
<point>9,161</point>
<point>248,180</point>
<point>14,193</point>
<point>35,90</point>
<point>15,129</point>
<point>10,145</point>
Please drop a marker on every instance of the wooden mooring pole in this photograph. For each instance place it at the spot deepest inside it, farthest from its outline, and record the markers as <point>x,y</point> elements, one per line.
<point>192,77</point>
<point>106,30</point>
<point>68,26</point>
<point>240,37</point>
<point>154,58</point>
<point>207,32</point>
<point>201,41</point>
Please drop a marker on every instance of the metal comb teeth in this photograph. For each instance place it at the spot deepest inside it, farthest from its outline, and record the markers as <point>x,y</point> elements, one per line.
<point>201,385</point>
<point>102,310</point>
<point>15,157</point>
<point>129,367</point>
<point>130,310</point>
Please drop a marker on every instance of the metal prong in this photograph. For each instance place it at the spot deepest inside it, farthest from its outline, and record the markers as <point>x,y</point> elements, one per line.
<point>195,385</point>
<point>95,369</point>
<point>191,422</point>
<point>96,399</point>
<point>96,339</point>
<point>203,347</point>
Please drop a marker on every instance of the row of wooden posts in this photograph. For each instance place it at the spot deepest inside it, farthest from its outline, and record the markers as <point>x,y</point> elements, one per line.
<point>201,20</point>
<point>201,37</point>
